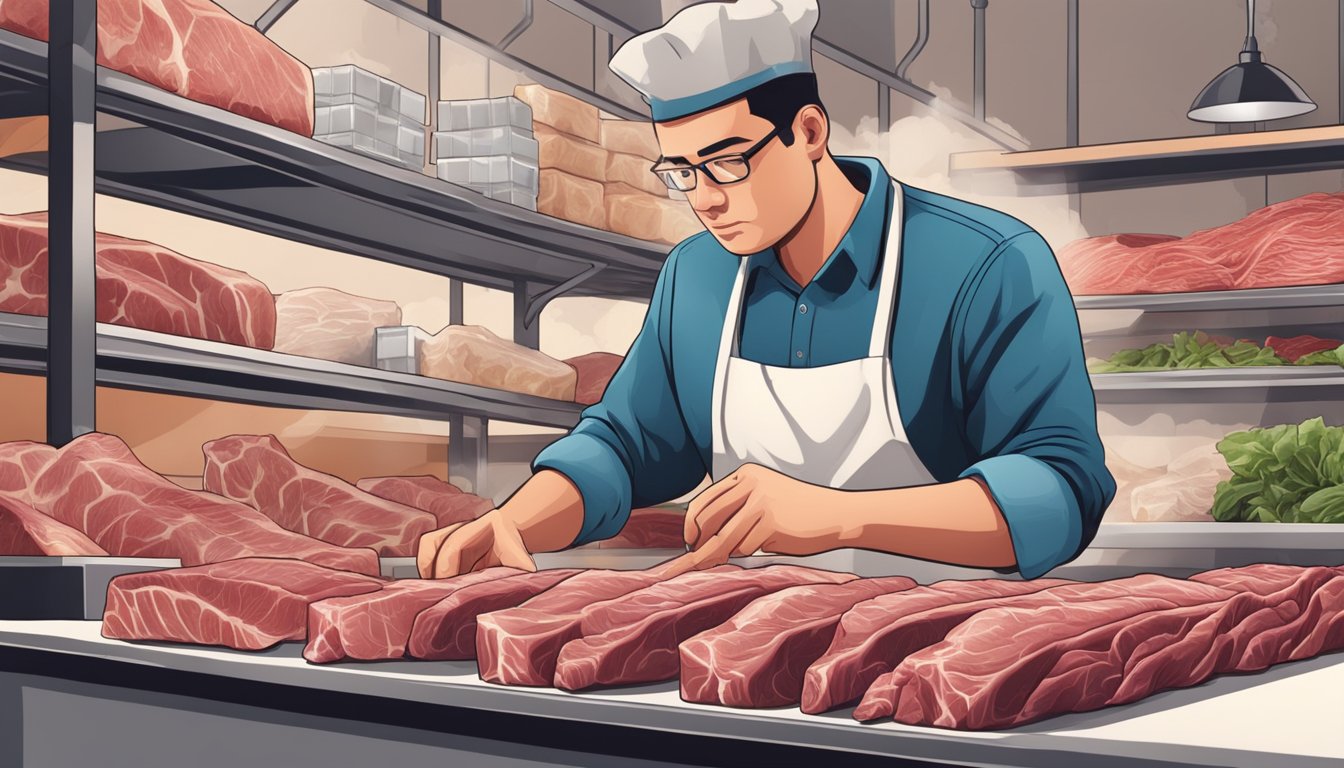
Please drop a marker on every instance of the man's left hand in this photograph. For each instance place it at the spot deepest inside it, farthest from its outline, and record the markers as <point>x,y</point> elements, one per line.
<point>756,508</point>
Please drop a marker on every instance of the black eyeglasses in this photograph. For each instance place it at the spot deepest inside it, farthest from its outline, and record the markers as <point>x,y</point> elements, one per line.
<point>724,169</point>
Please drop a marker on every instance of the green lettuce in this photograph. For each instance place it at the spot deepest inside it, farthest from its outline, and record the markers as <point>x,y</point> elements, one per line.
<point>1292,473</point>
<point>1187,350</point>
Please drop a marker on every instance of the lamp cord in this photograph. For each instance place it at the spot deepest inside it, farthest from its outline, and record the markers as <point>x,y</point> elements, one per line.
<point>1250,18</point>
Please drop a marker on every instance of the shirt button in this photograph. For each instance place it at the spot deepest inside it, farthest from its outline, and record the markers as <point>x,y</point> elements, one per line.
<point>798,354</point>
<point>802,308</point>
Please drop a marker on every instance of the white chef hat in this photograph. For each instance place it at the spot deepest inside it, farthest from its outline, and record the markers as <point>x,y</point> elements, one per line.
<point>711,53</point>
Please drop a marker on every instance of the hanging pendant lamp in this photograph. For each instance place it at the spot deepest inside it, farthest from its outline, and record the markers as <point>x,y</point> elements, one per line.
<point>1250,91</point>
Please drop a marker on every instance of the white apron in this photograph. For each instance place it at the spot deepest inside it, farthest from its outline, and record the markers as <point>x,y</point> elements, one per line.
<point>838,425</point>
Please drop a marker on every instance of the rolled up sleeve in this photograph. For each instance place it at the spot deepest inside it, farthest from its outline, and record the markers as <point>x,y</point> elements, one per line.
<point>632,448</point>
<point>1030,413</point>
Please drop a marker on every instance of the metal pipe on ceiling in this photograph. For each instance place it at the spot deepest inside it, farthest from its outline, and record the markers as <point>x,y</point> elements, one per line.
<point>978,103</point>
<point>519,28</point>
<point>921,38</point>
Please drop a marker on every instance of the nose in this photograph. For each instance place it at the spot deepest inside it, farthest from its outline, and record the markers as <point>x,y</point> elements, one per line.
<point>707,197</point>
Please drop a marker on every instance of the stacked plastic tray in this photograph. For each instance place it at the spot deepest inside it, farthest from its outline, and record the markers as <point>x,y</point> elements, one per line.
<point>487,145</point>
<point>368,114</point>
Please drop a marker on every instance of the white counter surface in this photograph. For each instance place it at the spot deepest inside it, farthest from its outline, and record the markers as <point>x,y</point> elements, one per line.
<point>1285,717</point>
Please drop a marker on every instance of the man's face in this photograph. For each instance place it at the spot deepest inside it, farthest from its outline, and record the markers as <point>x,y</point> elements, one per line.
<point>757,212</point>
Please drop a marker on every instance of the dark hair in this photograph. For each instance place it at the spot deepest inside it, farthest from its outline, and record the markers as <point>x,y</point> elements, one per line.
<point>779,101</point>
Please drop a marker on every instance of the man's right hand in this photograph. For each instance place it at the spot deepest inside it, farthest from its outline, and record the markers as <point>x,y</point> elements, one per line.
<point>490,540</point>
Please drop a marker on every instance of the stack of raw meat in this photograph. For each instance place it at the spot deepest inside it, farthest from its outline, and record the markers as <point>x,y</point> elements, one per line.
<point>1295,242</point>
<point>331,325</point>
<point>982,654</point>
<point>595,370</point>
<point>181,46</point>
<point>595,171</point>
<point>141,285</point>
<point>471,354</point>
<point>93,497</point>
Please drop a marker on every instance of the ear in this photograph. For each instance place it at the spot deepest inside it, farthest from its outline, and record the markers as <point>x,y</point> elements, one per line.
<point>811,127</point>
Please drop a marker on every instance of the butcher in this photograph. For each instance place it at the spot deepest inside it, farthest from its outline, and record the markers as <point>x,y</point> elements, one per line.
<point>851,361</point>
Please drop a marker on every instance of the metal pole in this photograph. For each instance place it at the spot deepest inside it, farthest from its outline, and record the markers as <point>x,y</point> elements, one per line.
<point>71,323</point>
<point>1071,90</point>
<point>1341,62</point>
<point>526,331</point>
<point>467,458</point>
<point>979,11</point>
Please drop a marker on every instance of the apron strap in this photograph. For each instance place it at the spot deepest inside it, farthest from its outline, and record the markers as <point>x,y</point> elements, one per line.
<point>884,318</point>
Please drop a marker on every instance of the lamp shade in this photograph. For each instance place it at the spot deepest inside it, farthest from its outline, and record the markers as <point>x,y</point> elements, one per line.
<point>1250,92</point>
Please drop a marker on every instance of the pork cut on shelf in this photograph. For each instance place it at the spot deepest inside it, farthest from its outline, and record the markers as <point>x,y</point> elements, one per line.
<point>470,354</point>
<point>331,325</point>
<point>182,46</point>
<point>445,501</point>
<point>25,531</point>
<point>875,635</point>
<point>141,285</point>
<point>377,625</point>
<point>519,646</point>
<point>1295,242</point>
<point>249,604</point>
<point>257,470</point>
<point>634,638</point>
<point>987,670</point>
<point>446,631</point>
<point>96,485</point>
<point>759,656</point>
<point>594,370</point>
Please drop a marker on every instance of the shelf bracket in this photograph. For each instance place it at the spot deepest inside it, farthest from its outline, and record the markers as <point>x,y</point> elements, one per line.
<point>272,15</point>
<point>535,303</point>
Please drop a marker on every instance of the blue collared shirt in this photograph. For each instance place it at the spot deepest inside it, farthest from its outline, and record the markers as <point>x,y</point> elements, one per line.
<point>986,356</point>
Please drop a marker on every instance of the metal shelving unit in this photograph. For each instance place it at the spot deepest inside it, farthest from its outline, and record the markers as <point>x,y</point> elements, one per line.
<point>1294,297</point>
<point>205,161</point>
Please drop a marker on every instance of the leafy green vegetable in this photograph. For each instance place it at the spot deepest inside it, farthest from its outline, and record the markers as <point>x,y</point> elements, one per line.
<point>1291,473</point>
<point>1324,357</point>
<point>1187,350</point>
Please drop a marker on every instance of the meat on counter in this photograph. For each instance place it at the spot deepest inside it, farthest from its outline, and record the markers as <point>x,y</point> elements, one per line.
<point>25,531</point>
<point>448,503</point>
<point>96,485</point>
<point>257,470</point>
<point>446,631</point>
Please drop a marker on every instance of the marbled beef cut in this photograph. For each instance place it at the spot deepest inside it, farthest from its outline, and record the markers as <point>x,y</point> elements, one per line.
<point>873,636</point>
<point>248,604</point>
<point>21,461</point>
<point>650,528</point>
<point>193,48</point>
<point>758,657</point>
<point>1295,242</point>
<point>96,485</point>
<point>1079,661</point>
<point>634,638</point>
<point>141,285</point>
<point>989,671</point>
<point>445,501</point>
<point>25,531</point>
<point>377,625</point>
<point>594,370</point>
<point>257,471</point>
<point>519,646</point>
<point>446,631</point>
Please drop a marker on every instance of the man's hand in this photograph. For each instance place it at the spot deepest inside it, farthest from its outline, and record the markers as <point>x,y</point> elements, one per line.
<point>490,540</point>
<point>756,508</point>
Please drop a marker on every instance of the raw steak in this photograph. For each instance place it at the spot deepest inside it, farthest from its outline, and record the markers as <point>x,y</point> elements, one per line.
<point>519,646</point>
<point>1295,242</point>
<point>448,503</point>
<point>873,636</point>
<point>447,630</point>
<point>193,48</point>
<point>378,624</point>
<point>634,639</point>
<point>257,471</point>
<point>248,604</point>
<point>20,463</point>
<point>25,531</point>
<point>650,528</point>
<point>594,370</point>
<point>471,354</point>
<point>330,324</point>
<point>1099,664</point>
<point>141,285</point>
<point>1298,347</point>
<point>758,657</point>
<point>96,485</point>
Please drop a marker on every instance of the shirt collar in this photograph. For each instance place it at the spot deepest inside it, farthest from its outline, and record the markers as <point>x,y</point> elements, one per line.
<point>857,254</point>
